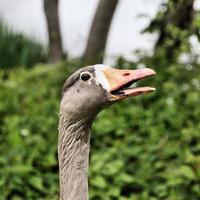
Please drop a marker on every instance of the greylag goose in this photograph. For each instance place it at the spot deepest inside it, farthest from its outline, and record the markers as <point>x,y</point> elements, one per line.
<point>85,93</point>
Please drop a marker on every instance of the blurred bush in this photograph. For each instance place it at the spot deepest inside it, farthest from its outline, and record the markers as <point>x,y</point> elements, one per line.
<point>144,148</point>
<point>16,49</point>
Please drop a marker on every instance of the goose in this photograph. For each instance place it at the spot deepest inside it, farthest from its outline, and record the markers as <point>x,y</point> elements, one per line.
<point>85,93</point>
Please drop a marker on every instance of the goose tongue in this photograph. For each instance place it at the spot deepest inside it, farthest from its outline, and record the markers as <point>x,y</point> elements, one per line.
<point>119,81</point>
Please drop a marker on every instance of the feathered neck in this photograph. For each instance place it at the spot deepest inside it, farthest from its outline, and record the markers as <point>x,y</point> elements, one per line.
<point>73,155</point>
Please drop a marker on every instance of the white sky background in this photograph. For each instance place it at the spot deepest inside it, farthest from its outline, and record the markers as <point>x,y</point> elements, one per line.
<point>27,16</point>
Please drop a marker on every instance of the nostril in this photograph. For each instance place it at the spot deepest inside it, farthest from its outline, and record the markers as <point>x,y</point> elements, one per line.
<point>126,74</point>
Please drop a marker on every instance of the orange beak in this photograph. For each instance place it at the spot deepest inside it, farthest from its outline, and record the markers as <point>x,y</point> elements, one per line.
<point>120,80</point>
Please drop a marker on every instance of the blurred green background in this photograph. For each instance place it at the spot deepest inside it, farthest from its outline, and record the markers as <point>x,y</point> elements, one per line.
<point>145,148</point>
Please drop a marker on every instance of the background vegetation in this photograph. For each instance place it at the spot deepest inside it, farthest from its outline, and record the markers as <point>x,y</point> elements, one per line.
<point>145,148</point>
<point>17,50</point>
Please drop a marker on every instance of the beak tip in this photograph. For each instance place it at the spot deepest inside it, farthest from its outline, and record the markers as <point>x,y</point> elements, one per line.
<point>151,71</point>
<point>153,89</point>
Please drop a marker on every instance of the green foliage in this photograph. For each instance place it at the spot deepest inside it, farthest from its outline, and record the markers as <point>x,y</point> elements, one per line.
<point>16,49</point>
<point>175,23</point>
<point>143,148</point>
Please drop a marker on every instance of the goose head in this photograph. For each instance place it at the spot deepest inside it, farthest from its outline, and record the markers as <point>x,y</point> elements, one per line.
<point>90,89</point>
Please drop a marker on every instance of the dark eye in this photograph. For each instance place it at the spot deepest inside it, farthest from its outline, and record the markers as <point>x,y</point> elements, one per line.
<point>85,76</point>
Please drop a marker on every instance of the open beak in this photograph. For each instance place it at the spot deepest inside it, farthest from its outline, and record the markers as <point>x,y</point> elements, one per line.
<point>120,80</point>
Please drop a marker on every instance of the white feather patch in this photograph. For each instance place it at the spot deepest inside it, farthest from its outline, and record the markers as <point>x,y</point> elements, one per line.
<point>100,77</point>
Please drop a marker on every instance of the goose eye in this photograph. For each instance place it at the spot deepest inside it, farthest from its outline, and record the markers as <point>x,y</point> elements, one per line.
<point>85,76</point>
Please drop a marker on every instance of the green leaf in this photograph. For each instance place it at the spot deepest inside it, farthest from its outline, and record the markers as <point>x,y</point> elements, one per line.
<point>187,172</point>
<point>99,182</point>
